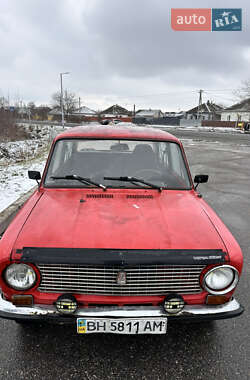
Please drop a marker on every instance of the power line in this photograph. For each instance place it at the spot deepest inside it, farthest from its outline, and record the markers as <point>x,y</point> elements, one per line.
<point>159,94</point>
<point>220,90</point>
<point>174,93</point>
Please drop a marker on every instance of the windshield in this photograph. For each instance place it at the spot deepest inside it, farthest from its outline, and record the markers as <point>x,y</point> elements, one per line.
<point>158,162</point>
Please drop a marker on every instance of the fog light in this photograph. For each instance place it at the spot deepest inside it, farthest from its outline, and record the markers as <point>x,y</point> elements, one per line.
<point>173,304</point>
<point>66,304</point>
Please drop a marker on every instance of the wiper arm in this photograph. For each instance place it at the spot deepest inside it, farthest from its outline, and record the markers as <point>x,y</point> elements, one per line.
<point>86,181</point>
<point>135,180</point>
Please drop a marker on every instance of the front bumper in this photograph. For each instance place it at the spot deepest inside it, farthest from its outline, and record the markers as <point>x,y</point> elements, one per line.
<point>50,314</point>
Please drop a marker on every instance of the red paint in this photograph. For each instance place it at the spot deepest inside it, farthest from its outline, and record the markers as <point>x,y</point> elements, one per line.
<point>170,220</point>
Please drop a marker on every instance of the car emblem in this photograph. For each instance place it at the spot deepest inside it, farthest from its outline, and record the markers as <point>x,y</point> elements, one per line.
<point>121,278</point>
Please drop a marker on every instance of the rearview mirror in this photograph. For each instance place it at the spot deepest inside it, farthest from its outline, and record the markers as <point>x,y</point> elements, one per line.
<point>200,178</point>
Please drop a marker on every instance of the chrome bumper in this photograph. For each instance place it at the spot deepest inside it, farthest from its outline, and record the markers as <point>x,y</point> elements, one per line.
<point>49,313</point>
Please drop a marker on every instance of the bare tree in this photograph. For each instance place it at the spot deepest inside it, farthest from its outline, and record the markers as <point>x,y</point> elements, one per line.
<point>69,101</point>
<point>3,102</point>
<point>243,92</point>
<point>8,129</point>
<point>31,106</point>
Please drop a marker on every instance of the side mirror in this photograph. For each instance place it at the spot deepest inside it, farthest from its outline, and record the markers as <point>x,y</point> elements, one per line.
<point>34,175</point>
<point>200,178</point>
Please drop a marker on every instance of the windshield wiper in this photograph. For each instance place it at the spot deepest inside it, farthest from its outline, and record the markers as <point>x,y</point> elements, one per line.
<point>86,181</point>
<point>133,180</point>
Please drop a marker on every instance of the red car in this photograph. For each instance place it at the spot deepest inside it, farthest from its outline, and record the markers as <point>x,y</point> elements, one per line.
<point>117,239</point>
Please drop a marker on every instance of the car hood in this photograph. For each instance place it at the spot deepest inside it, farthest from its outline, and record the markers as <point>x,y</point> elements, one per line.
<point>136,219</point>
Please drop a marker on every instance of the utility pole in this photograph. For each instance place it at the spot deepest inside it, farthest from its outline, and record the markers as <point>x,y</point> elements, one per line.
<point>79,102</point>
<point>61,100</point>
<point>21,109</point>
<point>200,103</point>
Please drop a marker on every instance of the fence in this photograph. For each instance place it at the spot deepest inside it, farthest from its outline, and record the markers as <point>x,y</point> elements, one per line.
<point>157,121</point>
<point>218,123</point>
<point>190,123</point>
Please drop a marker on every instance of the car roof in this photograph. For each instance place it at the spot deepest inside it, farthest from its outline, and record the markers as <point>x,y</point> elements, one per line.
<point>119,131</point>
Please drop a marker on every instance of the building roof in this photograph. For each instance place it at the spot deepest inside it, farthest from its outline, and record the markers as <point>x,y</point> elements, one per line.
<point>243,106</point>
<point>208,107</point>
<point>146,113</point>
<point>22,110</point>
<point>80,111</point>
<point>174,114</point>
<point>55,111</point>
<point>116,110</point>
<point>128,131</point>
<point>84,111</point>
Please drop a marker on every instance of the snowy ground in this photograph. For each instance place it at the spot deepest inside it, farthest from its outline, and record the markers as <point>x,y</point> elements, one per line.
<point>14,180</point>
<point>16,158</point>
<point>193,128</point>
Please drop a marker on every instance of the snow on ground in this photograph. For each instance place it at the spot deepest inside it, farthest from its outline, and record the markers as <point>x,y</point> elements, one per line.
<point>14,181</point>
<point>194,128</point>
<point>17,151</point>
<point>16,158</point>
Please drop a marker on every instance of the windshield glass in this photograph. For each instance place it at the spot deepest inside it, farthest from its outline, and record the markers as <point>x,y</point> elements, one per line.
<point>158,162</point>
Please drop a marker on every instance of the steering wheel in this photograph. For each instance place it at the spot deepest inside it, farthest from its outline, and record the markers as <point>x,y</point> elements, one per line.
<point>148,173</point>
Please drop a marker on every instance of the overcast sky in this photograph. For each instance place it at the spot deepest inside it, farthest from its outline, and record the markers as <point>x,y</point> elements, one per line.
<point>118,52</point>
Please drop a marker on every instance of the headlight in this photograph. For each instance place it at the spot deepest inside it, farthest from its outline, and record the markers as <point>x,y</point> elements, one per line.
<point>221,280</point>
<point>20,276</point>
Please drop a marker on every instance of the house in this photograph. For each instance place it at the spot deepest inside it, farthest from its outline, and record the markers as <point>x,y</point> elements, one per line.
<point>83,114</point>
<point>84,111</point>
<point>206,111</point>
<point>116,112</point>
<point>149,114</point>
<point>40,113</point>
<point>237,112</point>
<point>179,115</point>
<point>56,111</point>
<point>22,112</point>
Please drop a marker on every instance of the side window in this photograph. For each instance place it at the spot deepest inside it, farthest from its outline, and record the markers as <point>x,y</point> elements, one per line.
<point>62,153</point>
<point>163,154</point>
<point>177,162</point>
<point>176,165</point>
<point>67,151</point>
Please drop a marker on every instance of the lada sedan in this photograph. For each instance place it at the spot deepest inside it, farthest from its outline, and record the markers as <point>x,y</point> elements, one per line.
<point>117,239</point>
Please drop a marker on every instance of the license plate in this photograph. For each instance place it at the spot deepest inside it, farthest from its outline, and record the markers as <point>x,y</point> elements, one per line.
<point>122,326</point>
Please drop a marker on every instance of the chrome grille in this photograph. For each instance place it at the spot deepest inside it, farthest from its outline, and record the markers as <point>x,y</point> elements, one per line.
<point>140,280</point>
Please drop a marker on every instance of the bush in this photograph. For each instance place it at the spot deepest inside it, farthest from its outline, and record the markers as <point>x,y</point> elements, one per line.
<point>9,131</point>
